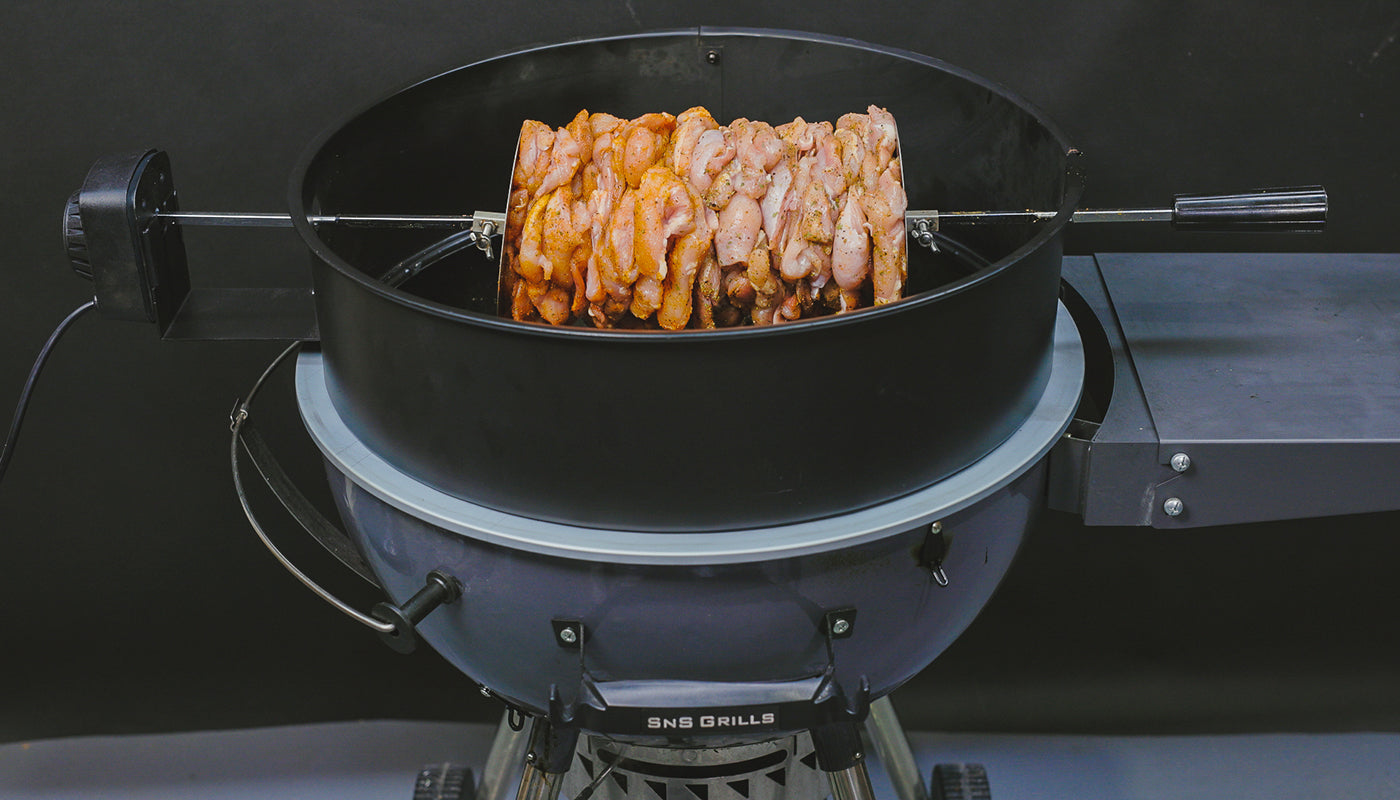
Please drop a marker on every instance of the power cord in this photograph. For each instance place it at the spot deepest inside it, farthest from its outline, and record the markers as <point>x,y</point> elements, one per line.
<point>9,449</point>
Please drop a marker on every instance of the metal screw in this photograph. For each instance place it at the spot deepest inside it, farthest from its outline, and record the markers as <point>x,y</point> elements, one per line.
<point>936,527</point>
<point>840,627</point>
<point>1173,506</point>
<point>1181,462</point>
<point>568,635</point>
<point>712,57</point>
<point>485,692</point>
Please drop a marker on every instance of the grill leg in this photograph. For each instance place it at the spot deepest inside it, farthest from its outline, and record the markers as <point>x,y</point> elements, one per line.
<point>892,748</point>
<point>551,751</point>
<point>851,783</point>
<point>839,755</point>
<point>507,753</point>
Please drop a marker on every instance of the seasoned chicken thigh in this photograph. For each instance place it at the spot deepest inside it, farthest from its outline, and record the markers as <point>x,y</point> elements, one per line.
<point>678,221</point>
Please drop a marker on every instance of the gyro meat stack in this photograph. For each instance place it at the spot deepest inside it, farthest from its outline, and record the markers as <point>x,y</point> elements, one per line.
<point>676,221</point>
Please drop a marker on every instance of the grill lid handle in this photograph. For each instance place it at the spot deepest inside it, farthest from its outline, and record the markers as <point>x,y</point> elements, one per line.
<point>1297,208</point>
<point>394,624</point>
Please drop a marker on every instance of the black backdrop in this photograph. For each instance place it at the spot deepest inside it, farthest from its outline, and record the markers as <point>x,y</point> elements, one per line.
<point>135,599</point>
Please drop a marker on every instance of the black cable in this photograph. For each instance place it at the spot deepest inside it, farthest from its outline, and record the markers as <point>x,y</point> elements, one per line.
<point>421,260</point>
<point>960,251</point>
<point>8,451</point>
<point>598,781</point>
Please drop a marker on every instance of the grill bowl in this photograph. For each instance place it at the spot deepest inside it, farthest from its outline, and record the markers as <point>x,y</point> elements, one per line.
<point>675,622</point>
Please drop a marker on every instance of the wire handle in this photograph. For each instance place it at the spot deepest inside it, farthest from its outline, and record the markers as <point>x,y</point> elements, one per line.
<point>394,624</point>
<point>237,420</point>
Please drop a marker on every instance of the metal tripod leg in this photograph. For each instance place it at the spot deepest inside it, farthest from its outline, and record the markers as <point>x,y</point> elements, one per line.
<point>507,754</point>
<point>851,783</point>
<point>892,748</point>
<point>839,755</point>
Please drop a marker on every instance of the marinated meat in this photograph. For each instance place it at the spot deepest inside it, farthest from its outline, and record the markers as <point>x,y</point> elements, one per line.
<point>850,250</point>
<point>884,209</point>
<point>692,250</point>
<point>739,226</point>
<point>676,221</point>
<point>691,124</point>
<point>639,144</point>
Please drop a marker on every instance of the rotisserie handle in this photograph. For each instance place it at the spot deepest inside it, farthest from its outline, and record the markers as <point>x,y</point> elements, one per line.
<point>1297,208</point>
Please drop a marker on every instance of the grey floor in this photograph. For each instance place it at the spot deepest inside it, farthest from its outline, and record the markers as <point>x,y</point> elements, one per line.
<point>379,759</point>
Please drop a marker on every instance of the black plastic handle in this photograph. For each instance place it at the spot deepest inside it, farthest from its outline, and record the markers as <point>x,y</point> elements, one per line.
<point>1297,208</point>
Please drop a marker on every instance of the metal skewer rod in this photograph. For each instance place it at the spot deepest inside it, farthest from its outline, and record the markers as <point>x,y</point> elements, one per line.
<point>1290,208</point>
<point>1295,208</point>
<point>275,220</point>
<point>1085,215</point>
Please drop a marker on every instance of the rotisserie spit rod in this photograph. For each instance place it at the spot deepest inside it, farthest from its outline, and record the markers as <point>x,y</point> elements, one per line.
<point>1293,208</point>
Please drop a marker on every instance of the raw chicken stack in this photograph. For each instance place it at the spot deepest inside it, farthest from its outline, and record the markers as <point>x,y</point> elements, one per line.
<point>677,221</point>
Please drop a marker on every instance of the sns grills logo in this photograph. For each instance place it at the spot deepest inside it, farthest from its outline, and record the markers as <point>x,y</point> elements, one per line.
<point>713,721</point>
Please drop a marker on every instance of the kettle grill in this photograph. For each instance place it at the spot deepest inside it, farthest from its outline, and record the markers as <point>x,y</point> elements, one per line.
<point>698,562</point>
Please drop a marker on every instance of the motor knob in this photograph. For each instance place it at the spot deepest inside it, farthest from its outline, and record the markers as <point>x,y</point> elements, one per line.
<point>74,240</point>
